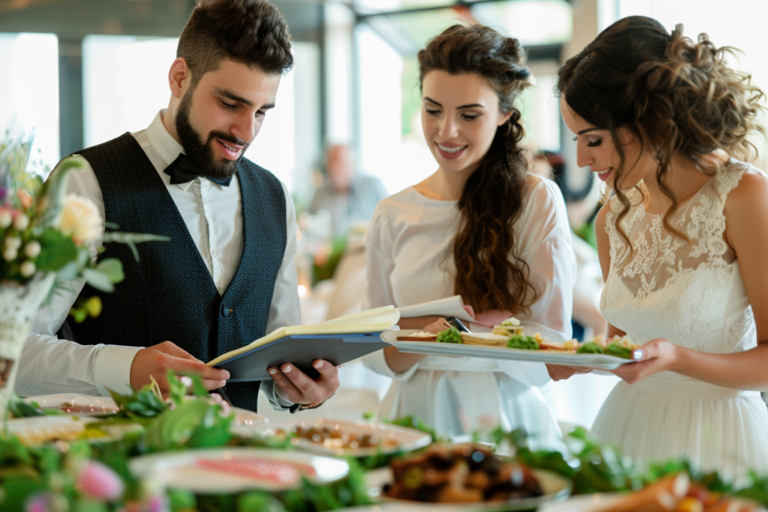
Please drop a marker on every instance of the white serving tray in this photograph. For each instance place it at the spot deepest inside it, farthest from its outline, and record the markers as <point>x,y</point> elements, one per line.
<point>596,361</point>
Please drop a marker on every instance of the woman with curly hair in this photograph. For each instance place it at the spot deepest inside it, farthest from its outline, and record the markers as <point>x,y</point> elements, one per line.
<point>481,227</point>
<point>664,121</point>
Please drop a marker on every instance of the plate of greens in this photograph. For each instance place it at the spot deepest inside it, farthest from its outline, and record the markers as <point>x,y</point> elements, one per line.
<point>589,355</point>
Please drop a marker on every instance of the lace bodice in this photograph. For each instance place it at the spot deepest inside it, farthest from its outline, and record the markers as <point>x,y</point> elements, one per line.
<point>688,291</point>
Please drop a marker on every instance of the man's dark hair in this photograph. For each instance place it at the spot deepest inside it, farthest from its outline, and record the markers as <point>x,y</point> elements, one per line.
<point>249,31</point>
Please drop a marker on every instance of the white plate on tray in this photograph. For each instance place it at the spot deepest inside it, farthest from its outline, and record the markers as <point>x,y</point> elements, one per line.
<point>596,361</point>
<point>84,405</point>
<point>106,406</point>
<point>400,438</point>
<point>583,503</point>
<point>181,470</point>
<point>555,488</point>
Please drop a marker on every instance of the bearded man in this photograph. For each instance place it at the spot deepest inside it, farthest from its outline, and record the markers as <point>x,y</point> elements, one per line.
<point>227,276</point>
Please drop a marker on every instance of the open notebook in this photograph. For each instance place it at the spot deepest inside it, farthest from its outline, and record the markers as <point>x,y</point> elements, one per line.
<point>339,340</point>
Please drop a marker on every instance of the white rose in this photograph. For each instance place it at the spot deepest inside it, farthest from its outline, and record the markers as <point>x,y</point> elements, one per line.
<point>21,222</point>
<point>13,242</point>
<point>28,269</point>
<point>80,218</point>
<point>32,249</point>
<point>6,219</point>
<point>10,254</point>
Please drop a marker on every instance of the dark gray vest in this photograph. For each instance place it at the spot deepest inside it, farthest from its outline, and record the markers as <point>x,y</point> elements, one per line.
<point>169,294</point>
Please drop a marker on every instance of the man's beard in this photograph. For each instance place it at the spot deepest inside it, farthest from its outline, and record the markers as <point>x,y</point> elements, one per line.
<point>201,153</point>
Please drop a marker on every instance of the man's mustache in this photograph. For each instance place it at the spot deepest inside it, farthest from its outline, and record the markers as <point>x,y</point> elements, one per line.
<point>227,137</point>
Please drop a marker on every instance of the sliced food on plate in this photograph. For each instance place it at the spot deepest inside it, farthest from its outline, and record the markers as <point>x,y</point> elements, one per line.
<point>677,493</point>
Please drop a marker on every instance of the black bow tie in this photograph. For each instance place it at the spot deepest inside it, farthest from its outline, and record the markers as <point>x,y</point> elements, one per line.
<point>182,170</point>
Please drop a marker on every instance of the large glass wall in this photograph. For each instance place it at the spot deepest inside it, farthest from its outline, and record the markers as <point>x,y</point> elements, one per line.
<point>125,84</point>
<point>29,93</point>
<point>391,142</point>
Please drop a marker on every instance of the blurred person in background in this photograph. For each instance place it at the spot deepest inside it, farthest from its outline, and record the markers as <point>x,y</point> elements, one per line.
<point>581,206</point>
<point>481,227</point>
<point>349,196</point>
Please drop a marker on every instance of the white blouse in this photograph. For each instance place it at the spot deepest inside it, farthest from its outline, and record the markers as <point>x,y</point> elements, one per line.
<point>410,261</point>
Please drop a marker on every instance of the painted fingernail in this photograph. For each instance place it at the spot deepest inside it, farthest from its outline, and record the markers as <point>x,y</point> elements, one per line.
<point>287,369</point>
<point>638,354</point>
<point>318,364</point>
<point>272,371</point>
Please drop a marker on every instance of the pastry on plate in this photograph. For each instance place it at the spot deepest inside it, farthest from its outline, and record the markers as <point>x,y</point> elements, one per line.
<point>509,327</point>
<point>418,336</point>
<point>484,339</point>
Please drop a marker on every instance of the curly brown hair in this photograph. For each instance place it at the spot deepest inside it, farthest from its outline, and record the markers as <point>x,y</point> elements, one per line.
<point>489,274</point>
<point>249,31</point>
<point>681,94</point>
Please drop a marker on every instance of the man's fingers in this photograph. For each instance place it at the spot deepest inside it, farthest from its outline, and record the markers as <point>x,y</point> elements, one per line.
<point>170,348</point>
<point>286,385</point>
<point>197,368</point>
<point>310,390</point>
<point>326,369</point>
<point>210,385</point>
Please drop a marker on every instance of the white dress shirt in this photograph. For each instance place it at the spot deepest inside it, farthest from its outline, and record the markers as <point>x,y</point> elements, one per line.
<point>213,216</point>
<point>410,261</point>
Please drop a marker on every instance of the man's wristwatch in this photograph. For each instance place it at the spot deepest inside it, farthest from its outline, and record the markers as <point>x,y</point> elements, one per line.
<point>305,407</point>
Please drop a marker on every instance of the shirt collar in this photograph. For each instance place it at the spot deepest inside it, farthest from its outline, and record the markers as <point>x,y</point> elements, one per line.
<point>166,146</point>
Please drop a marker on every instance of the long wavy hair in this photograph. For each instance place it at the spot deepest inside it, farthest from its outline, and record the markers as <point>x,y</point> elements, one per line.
<point>489,273</point>
<point>681,94</point>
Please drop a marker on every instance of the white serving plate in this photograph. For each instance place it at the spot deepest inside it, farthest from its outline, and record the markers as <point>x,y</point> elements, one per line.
<point>99,405</point>
<point>584,503</point>
<point>178,469</point>
<point>596,361</point>
<point>555,488</point>
<point>407,439</point>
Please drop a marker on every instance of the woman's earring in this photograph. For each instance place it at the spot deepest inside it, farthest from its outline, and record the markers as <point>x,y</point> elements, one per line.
<point>659,155</point>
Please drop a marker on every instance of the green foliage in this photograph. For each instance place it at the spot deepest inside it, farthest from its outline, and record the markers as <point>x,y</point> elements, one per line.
<point>414,422</point>
<point>589,347</point>
<point>614,349</point>
<point>523,342</point>
<point>139,405</point>
<point>325,267</point>
<point>451,335</point>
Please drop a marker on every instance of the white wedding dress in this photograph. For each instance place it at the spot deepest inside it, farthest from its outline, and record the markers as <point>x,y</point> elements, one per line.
<point>691,293</point>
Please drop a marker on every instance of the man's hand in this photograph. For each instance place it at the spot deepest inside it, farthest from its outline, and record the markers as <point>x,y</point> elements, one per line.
<point>303,390</point>
<point>155,361</point>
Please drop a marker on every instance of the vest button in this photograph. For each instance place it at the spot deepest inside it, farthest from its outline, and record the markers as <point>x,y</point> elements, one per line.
<point>226,310</point>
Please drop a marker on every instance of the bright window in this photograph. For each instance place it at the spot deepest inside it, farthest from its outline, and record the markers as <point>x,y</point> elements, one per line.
<point>125,83</point>
<point>29,91</point>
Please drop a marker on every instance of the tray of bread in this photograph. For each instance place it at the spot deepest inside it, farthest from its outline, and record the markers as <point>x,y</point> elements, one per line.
<point>509,341</point>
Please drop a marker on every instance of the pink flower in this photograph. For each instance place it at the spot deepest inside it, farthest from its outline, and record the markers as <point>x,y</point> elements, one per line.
<point>38,502</point>
<point>99,481</point>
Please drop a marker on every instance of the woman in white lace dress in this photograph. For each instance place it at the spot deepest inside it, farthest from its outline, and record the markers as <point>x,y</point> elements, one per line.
<point>683,242</point>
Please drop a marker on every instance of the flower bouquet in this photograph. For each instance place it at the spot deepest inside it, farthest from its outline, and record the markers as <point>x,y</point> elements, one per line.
<point>47,238</point>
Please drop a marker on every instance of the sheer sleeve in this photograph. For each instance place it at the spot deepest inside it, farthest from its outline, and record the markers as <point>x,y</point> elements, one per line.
<point>545,245</point>
<point>379,266</point>
<point>379,261</point>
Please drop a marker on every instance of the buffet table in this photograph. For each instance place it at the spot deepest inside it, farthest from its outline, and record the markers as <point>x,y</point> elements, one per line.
<point>186,453</point>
